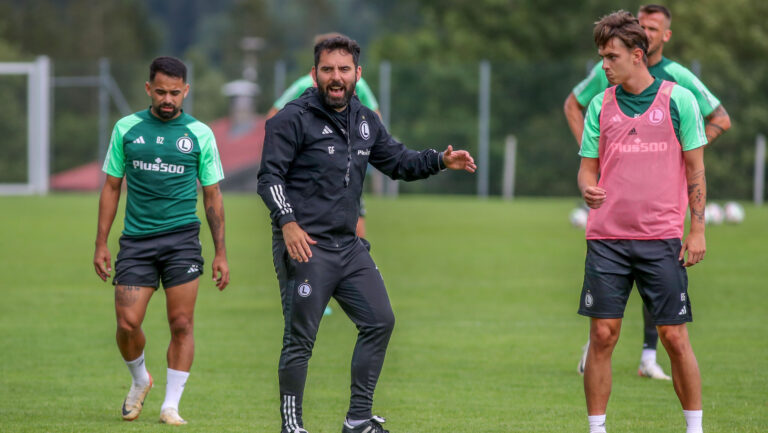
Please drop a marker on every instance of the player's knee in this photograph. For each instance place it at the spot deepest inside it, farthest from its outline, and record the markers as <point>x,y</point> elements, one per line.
<point>675,339</point>
<point>127,324</point>
<point>388,325</point>
<point>604,337</point>
<point>181,325</point>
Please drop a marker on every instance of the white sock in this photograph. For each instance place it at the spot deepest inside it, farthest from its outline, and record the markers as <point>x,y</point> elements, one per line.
<point>693,421</point>
<point>174,387</point>
<point>648,356</point>
<point>355,422</point>
<point>596,423</point>
<point>138,371</point>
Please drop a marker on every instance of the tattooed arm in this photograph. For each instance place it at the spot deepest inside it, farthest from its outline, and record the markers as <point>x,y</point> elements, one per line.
<point>717,123</point>
<point>695,243</point>
<point>214,213</point>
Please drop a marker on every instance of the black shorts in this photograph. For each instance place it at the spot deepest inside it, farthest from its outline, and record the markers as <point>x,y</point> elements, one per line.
<point>175,257</point>
<point>612,266</point>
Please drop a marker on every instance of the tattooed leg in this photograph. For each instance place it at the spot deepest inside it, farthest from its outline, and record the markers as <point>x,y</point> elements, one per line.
<point>130,307</point>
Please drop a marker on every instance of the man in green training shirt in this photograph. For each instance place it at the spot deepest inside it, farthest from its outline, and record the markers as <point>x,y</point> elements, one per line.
<point>162,152</point>
<point>656,21</point>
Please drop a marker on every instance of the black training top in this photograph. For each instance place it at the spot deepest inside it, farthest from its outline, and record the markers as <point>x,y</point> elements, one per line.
<point>313,167</point>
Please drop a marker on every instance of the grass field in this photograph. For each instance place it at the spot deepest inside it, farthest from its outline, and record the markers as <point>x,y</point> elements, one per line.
<point>487,337</point>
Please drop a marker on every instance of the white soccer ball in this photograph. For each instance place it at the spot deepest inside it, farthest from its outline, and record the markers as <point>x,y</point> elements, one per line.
<point>714,214</point>
<point>578,217</point>
<point>734,212</point>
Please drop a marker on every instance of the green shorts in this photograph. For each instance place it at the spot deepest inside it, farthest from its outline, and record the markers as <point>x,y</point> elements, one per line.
<point>612,266</point>
<point>173,257</point>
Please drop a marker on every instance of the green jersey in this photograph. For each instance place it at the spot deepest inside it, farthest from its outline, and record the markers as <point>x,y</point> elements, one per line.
<point>161,162</point>
<point>666,69</point>
<point>298,87</point>
<point>684,113</point>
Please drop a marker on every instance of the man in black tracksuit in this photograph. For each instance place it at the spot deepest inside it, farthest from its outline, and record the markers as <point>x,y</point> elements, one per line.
<point>316,151</point>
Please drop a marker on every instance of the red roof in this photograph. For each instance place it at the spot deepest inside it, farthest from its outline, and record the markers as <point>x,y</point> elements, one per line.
<point>238,150</point>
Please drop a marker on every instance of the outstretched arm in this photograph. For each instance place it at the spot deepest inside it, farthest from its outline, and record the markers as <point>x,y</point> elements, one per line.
<point>574,114</point>
<point>717,123</point>
<point>214,213</point>
<point>695,243</point>
<point>110,196</point>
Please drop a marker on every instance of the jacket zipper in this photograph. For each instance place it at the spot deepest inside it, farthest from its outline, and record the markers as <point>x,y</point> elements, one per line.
<point>346,135</point>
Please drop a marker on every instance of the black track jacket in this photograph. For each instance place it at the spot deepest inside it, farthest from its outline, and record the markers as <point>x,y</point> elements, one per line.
<point>312,170</point>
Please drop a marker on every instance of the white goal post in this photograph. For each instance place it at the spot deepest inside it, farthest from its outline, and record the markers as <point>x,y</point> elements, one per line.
<point>38,125</point>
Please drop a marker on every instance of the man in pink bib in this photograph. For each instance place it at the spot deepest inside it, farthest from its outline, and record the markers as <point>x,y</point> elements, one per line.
<point>642,163</point>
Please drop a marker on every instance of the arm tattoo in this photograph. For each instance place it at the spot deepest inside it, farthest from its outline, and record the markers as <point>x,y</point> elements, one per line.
<point>712,129</point>
<point>216,223</point>
<point>697,197</point>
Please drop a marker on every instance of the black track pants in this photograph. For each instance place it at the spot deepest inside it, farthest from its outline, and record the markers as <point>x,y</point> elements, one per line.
<point>350,276</point>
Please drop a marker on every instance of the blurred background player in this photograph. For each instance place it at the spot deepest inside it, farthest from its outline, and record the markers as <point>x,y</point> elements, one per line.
<point>642,165</point>
<point>656,21</point>
<point>162,152</point>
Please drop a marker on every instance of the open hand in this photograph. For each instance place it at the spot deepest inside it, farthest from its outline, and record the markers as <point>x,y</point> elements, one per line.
<point>458,160</point>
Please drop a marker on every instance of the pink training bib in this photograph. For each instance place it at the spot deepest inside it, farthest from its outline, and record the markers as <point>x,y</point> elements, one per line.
<point>642,171</point>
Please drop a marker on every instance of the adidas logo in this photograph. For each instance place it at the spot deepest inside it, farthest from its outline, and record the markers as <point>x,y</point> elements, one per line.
<point>139,140</point>
<point>632,132</point>
<point>683,311</point>
<point>192,269</point>
<point>616,118</point>
<point>327,130</point>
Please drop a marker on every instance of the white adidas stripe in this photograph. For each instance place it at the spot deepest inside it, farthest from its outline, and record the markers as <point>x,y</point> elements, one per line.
<point>279,197</point>
<point>282,197</point>
<point>289,412</point>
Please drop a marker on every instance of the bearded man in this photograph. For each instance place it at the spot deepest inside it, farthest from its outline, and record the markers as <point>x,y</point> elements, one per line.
<point>316,151</point>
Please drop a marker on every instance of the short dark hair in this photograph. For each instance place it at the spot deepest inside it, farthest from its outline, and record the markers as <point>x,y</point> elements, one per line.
<point>170,66</point>
<point>340,42</point>
<point>623,25</point>
<point>323,36</point>
<point>654,9</point>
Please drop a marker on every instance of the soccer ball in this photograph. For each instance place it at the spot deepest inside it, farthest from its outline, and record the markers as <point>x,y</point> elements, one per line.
<point>734,213</point>
<point>578,217</point>
<point>714,214</point>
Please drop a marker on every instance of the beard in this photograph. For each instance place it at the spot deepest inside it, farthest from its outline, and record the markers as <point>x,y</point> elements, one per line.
<point>166,115</point>
<point>336,101</point>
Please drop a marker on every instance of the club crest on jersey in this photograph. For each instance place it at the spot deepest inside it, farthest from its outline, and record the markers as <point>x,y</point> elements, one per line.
<point>305,289</point>
<point>184,144</point>
<point>588,300</point>
<point>655,116</point>
<point>365,130</point>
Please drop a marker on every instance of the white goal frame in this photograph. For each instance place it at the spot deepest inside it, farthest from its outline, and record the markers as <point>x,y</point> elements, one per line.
<point>38,125</point>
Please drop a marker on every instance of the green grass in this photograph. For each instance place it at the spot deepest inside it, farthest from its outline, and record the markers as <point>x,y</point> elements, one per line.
<point>487,336</point>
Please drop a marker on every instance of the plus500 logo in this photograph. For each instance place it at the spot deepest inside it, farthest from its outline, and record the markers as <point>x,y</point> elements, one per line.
<point>641,147</point>
<point>161,167</point>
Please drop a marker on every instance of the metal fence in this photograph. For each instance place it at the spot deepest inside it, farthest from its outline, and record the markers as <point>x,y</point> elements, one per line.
<point>471,106</point>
